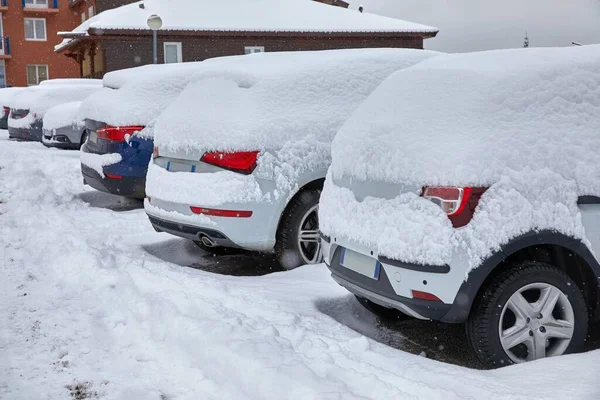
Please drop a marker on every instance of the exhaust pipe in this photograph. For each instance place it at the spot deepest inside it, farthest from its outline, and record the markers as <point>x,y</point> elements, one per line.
<point>208,242</point>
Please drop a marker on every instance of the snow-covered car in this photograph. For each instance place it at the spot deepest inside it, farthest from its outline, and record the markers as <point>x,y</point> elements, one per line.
<point>71,81</point>
<point>30,106</point>
<point>63,128</point>
<point>241,155</point>
<point>467,190</point>
<point>119,122</point>
<point>6,95</point>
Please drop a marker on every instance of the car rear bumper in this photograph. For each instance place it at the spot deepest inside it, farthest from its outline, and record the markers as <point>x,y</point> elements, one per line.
<point>190,232</point>
<point>253,233</point>
<point>133,187</point>
<point>395,285</point>
<point>30,134</point>
<point>68,137</point>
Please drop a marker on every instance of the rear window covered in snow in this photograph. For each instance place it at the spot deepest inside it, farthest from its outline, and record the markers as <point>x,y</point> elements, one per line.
<point>465,119</point>
<point>63,115</point>
<point>263,101</point>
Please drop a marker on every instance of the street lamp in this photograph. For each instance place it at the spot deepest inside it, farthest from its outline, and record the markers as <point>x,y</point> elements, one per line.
<point>155,23</point>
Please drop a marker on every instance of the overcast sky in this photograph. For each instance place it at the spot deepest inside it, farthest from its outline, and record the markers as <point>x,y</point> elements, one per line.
<point>470,25</point>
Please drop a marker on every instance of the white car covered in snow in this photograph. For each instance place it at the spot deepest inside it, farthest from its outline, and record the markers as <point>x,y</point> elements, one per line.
<point>241,155</point>
<point>30,105</point>
<point>63,127</point>
<point>467,190</point>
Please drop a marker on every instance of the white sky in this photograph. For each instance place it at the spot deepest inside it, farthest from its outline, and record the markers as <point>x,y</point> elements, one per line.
<point>470,25</point>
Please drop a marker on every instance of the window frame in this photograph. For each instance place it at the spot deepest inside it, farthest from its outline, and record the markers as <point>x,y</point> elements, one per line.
<point>35,39</point>
<point>36,5</point>
<point>179,46</point>
<point>253,49</point>
<point>37,73</point>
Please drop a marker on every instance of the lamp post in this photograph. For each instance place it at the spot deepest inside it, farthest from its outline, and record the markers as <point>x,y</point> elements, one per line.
<point>155,23</point>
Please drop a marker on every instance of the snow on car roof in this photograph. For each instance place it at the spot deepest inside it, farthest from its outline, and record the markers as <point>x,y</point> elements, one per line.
<point>65,114</point>
<point>8,94</point>
<point>464,119</point>
<point>39,99</point>
<point>268,99</point>
<point>243,15</point>
<point>71,81</point>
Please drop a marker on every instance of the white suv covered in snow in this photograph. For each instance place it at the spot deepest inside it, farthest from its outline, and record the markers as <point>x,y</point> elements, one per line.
<point>467,189</point>
<point>241,155</point>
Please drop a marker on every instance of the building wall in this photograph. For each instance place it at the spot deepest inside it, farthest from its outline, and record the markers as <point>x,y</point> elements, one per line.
<point>127,53</point>
<point>25,52</point>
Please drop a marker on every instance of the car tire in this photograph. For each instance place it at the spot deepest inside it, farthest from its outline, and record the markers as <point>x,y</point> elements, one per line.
<point>301,213</point>
<point>84,138</point>
<point>492,316</point>
<point>388,314</point>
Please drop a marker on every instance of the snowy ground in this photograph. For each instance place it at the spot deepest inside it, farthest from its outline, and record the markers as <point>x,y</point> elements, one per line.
<point>94,304</point>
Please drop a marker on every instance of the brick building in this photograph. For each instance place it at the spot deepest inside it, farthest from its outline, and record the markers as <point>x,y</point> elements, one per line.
<point>28,35</point>
<point>194,30</point>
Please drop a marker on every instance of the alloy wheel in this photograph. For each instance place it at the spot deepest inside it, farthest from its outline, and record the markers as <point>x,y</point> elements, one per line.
<point>309,240</point>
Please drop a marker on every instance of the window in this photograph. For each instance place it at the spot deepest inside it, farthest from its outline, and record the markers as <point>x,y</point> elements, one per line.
<point>254,49</point>
<point>35,29</point>
<point>36,74</point>
<point>36,3</point>
<point>2,74</point>
<point>82,18</point>
<point>173,53</point>
<point>91,11</point>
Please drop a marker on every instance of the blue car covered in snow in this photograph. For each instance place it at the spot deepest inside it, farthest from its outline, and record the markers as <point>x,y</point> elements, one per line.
<point>115,159</point>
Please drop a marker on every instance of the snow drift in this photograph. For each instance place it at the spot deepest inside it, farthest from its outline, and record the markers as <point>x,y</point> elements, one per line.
<point>523,122</point>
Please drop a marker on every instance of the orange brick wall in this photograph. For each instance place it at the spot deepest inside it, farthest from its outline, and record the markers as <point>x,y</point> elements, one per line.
<point>25,52</point>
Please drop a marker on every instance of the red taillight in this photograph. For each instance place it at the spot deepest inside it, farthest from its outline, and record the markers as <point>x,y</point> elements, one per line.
<point>221,213</point>
<point>155,153</point>
<point>243,162</point>
<point>458,202</point>
<point>425,296</point>
<point>111,176</point>
<point>118,133</point>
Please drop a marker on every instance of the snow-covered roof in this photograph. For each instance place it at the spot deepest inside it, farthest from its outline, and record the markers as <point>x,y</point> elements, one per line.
<point>70,81</point>
<point>244,15</point>
<point>7,94</point>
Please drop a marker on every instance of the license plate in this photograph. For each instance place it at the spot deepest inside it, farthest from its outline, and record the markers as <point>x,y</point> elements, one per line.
<point>360,263</point>
<point>179,167</point>
<point>93,137</point>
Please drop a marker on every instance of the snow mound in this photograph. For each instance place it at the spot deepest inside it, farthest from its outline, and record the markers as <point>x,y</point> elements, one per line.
<point>522,122</point>
<point>97,162</point>
<point>265,101</point>
<point>63,115</point>
<point>464,119</point>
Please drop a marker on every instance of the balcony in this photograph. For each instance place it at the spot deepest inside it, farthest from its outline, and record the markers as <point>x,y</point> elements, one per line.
<point>43,7</point>
<point>3,5</point>
<point>5,48</point>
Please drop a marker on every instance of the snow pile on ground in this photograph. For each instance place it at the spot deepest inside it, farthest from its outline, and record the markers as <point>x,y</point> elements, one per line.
<point>7,94</point>
<point>97,162</point>
<point>39,99</point>
<point>288,105</point>
<point>63,115</point>
<point>256,15</point>
<point>524,122</point>
<point>88,308</point>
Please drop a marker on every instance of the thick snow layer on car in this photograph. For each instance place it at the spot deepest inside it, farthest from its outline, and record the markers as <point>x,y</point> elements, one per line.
<point>21,122</point>
<point>7,94</point>
<point>97,162</point>
<point>256,15</point>
<point>39,99</point>
<point>63,115</point>
<point>287,105</point>
<point>94,310</point>
<point>70,81</point>
<point>523,122</point>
